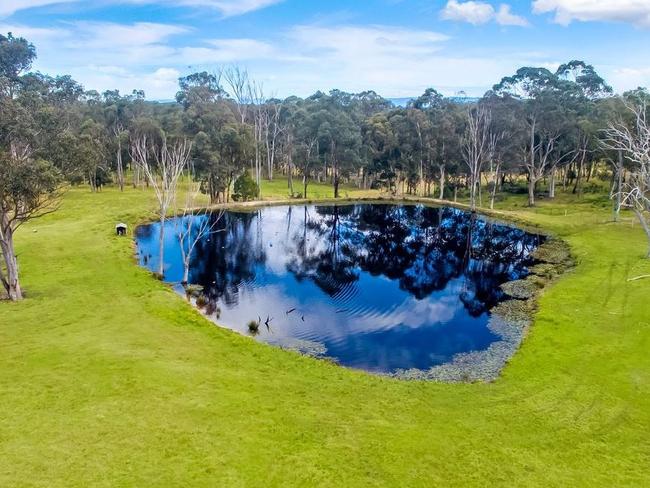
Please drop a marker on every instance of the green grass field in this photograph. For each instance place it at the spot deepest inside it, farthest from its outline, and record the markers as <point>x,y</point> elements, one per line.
<point>108,378</point>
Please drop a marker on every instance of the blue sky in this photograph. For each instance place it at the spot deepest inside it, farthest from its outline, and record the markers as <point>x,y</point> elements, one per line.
<point>295,47</point>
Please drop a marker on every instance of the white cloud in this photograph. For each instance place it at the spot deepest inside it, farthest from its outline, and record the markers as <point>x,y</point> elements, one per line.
<point>623,79</point>
<point>635,12</point>
<point>472,12</point>
<point>505,17</point>
<point>229,8</point>
<point>233,50</point>
<point>159,84</point>
<point>9,7</point>
<point>104,55</point>
<point>392,61</point>
<point>478,13</point>
<point>362,41</point>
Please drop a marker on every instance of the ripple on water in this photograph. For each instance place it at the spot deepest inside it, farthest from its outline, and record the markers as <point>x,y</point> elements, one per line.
<point>382,288</point>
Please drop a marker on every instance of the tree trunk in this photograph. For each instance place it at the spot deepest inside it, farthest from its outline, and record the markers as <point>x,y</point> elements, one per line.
<point>11,282</point>
<point>136,175</point>
<point>120,167</point>
<point>161,248</point>
<point>531,171</point>
<point>442,182</point>
<point>494,188</point>
<point>290,164</point>
<point>619,187</point>
<point>532,183</point>
<point>646,227</point>
<point>551,184</point>
<point>577,189</point>
<point>186,271</point>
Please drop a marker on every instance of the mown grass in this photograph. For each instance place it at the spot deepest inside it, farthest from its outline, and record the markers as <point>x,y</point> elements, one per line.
<point>110,379</point>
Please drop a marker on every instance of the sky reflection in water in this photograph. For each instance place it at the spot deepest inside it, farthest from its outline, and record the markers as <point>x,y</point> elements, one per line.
<point>380,287</point>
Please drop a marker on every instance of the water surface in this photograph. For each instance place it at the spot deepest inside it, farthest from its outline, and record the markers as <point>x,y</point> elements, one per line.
<point>376,287</point>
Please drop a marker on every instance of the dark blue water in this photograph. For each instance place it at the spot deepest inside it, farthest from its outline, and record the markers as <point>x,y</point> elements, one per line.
<point>374,287</point>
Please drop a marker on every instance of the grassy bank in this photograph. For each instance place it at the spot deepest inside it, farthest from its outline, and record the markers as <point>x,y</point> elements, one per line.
<point>110,379</point>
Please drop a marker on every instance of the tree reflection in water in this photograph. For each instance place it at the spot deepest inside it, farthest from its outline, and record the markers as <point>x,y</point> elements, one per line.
<point>381,287</point>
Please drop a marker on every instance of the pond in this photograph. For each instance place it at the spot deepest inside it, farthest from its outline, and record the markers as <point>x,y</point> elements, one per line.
<point>382,288</point>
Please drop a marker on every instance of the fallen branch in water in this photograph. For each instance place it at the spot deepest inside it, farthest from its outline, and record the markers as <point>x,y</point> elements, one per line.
<point>639,278</point>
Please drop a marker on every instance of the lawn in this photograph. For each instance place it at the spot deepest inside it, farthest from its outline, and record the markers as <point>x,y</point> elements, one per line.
<point>110,379</point>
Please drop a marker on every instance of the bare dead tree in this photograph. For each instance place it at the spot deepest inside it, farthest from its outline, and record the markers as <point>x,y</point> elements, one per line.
<point>618,163</point>
<point>272,131</point>
<point>634,143</point>
<point>476,147</point>
<point>118,132</point>
<point>565,159</point>
<point>170,162</point>
<point>194,225</point>
<point>238,82</point>
<point>256,95</point>
<point>539,158</point>
<point>495,162</point>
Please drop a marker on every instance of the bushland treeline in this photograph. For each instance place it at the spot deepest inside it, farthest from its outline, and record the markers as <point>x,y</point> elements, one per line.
<point>535,126</point>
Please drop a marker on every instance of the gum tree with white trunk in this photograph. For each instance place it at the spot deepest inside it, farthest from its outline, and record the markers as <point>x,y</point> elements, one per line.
<point>162,166</point>
<point>634,142</point>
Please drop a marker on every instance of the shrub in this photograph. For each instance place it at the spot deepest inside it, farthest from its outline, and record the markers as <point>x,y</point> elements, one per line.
<point>201,301</point>
<point>254,327</point>
<point>245,188</point>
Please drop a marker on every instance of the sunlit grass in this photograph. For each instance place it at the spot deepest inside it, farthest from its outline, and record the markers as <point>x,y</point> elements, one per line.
<point>111,379</point>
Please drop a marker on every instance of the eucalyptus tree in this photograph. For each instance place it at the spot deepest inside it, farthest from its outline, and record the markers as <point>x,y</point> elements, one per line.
<point>478,142</point>
<point>339,136</point>
<point>119,113</point>
<point>446,138</point>
<point>171,160</point>
<point>407,153</point>
<point>505,139</point>
<point>273,128</point>
<point>29,185</point>
<point>544,98</point>
<point>303,123</point>
<point>195,224</point>
<point>380,141</point>
<point>592,85</point>
<point>634,142</point>
<point>615,110</point>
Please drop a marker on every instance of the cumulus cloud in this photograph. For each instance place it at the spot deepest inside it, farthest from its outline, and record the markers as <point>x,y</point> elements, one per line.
<point>635,12</point>
<point>504,16</point>
<point>472,12</point>
<point>478,13</point>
